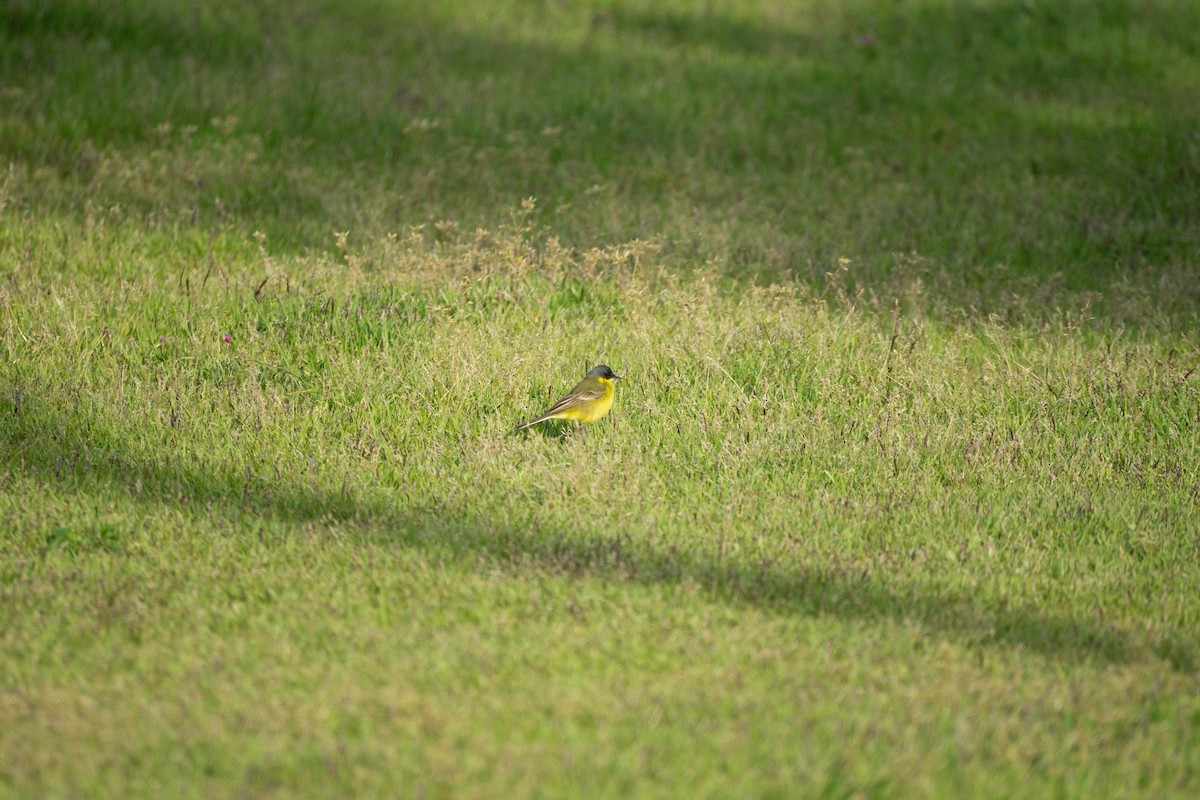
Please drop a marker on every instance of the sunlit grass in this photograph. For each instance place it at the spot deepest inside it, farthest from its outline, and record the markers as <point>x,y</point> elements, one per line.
<point>799,511</point>
<point>899,497</point>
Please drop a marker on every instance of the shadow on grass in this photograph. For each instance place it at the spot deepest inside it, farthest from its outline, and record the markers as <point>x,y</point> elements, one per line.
<point>97,461</point>
<point>1050,138</point>
<point>559,430</point>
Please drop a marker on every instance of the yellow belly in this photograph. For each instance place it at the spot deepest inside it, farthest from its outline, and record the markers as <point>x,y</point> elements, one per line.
<point>593,411</point>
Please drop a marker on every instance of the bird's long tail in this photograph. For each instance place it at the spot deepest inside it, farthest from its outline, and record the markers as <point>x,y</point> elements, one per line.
<point>525,425</point>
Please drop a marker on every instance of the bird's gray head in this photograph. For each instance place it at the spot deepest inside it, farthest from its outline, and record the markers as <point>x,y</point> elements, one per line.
<point>604,371</point>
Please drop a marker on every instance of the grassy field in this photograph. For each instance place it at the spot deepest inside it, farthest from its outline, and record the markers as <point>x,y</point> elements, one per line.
<point>900,497</point>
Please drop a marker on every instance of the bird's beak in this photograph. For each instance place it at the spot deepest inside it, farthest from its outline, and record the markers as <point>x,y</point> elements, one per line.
<point>617,377</point>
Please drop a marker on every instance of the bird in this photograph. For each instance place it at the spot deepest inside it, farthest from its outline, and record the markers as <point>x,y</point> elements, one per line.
<point>588,402</point>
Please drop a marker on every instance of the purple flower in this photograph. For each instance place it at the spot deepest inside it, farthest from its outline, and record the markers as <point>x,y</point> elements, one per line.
<point>228,339</point>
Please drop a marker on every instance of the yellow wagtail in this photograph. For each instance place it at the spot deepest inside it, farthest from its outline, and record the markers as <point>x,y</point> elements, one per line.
<point>588,402</point>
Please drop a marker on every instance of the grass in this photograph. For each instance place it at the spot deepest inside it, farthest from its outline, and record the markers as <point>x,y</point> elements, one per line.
<point>900,497</point>
<point>772,139</point>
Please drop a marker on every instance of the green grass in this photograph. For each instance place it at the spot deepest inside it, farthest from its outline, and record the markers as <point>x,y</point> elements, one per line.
<point>900,497</point>
<point>772,138</point>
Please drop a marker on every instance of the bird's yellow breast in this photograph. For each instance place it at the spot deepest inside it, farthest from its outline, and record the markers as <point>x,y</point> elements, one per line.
<point>593,410</point>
